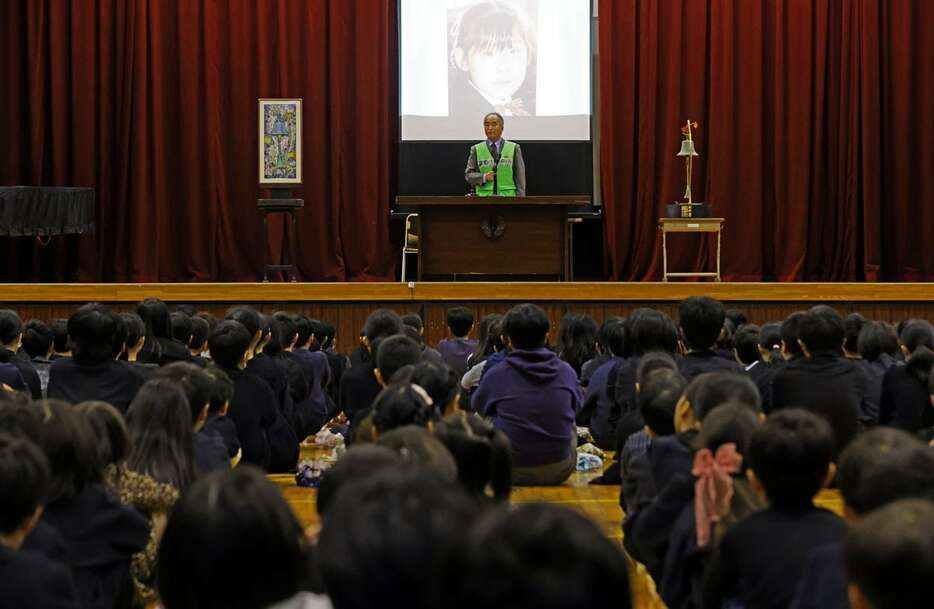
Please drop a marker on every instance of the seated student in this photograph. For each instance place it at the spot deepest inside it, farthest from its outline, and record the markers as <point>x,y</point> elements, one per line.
<point>888,557</point>
<point>414,328</point>
<point>326,342</point>
<point>210,451</point>
<point>879,467</point>
<point>724,344</point>
<point>261,365</point>
<point>536,555</point>
<point>11,340</point>
<point>441,384</point>
<point>150,497</point>
<point>61,345</point>
<point>603,352</point>
<point>579,341</point>
<point>904,400</point>
<point>401,404</point>
<point>824,381</point>
<point>383,538</point>
<point>747,354</point>
<point>770,345</point>
<point>853,325</point>
<point>198,344</point>
<point>100,534</point>
<point>761,559</point>
<point>233,541</point>
<point>277,350</point>
<point>37,343</point>
<point>490,351</point>
<point>392,355</point>
<point>266,438</point>
<point>456,350</point>
<point>533,398</point>
<point>877,345</point>
<point>419,447</point>
<point>93,373</point>
<point>27,579</point>
<point>600,412</point>
<point>722,496</point>
<point>359,462</point>
<point>482,454</point>
<point>160,347</point>
<point>359,385</point>
<point>218,424</point>
<point>484,336</point>
<point>313,410</point>
<point>701,321</point>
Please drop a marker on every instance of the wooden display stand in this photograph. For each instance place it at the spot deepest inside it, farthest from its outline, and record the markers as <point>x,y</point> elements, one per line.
<point>689,225</point>
<point>470,238</point>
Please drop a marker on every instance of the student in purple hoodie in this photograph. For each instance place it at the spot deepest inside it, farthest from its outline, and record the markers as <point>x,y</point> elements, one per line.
<point>533,397</point>
<point>455,351</point>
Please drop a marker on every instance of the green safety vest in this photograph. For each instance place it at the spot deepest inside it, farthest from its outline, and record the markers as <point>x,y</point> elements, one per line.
<point>506,186</point>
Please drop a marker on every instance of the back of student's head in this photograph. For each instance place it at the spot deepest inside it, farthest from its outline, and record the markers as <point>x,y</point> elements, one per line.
<point>37,338</point>
<point>652,361</point>
<point>746,343</point>
<point>282,334</point>
<point>490,338</point>
<point>736,317</point>
<point>701,319</point>
<point>222,389</point>
<point>917,333</point>
<point>402,404</point>
<point>232,542</point>
<point>659,393</point>
<point>875,339</point>
<point>460,321</point>
<point>728,423</point>
<point>580,341</point>
<point>68,442</point>
<point>884,465</point>
<point>413,320</point>
<point>61,343</point>
<point>192,380</point>
<point>228,343</point>
<point>709,390</point>
<point>789,333</point>
<point>418,446</point>
<point>439,381</point>
<point>482,453</point>
<point>725,340</point>
<point>181,327</point>
<point>327,336</point>
<point>381,323</point>
<point>536,556</point>
<point>19,417</point>
<point>394,352</point>
<point>135,328</point>
<point>889,556</point>
<point>650,330</point>
<point>11,326</point>
<point>384,536</point>
<point>853,324</point>
<point>612,336</point>
<point>770,340</point>
<point>791,454</point>
<point>24,481</point>
<point>155,316</point>
<point>822,329</point>
<point>199,332</point>
<point>91,331</point>
<point>303,329</point>
<point>112,438</point>
<point>249,317</point>
<point>159,421</point>
<point>527,326</point>
<point>360,461</point>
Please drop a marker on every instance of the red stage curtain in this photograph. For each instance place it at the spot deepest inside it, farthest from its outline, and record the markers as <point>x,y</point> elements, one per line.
<point>815,122</point>
<point>154,104</point>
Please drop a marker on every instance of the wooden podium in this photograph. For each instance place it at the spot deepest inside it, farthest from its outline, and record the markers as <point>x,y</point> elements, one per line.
<point>493,237</point>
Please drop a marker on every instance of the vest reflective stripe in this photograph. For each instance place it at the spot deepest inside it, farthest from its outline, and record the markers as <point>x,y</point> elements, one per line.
<point>506,186</point>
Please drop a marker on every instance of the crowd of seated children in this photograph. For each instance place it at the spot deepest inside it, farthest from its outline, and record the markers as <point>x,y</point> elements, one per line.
<point>904,400</point>
<point>11,341</point>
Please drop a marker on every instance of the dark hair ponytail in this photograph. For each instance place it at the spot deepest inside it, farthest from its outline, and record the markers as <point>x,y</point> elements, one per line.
<point>482,453</point>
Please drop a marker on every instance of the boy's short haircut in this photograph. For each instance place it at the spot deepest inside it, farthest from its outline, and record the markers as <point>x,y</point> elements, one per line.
<point>249,317</point>
<point>746,343</point>
<point>537,555</point>
<point>135,328</point>
<point>360,461</point>
<point>877,338</point>
<point>181,327</point>
<point>24,481</point>
<point>61,343</point>
<point>222,388</point>
<point>460,321</point>
<point>527,326</point>
<point>652,361</point>
<point>650,330</point>
<point>701,319</point>
<point>411,332</point>
<point>853,325</point>
<point>380,324</point>
<point>737,317</point>
<point>822,329</point>
<point>789,332</point>
<point>711,389</point>
<point>199,332</point>
<point>395,352</point>
<point>187,309</point>
<point>37,338</point>
<point>790,455</point>
<point>889,557</point>
<point>194,382</point>
<point>212,321</point>
<point>729,423</point>
<point>92,330</point>
<point>11,326</point>
<point>413,320</point>
<point>917,333</point>
<point>612,335</point>
<point>884,465</point>
<point>303,329</point>
<point>228,343</point>
<point>658,396</point>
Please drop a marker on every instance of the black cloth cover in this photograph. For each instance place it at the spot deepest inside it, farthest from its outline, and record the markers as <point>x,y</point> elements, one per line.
<point>42,211</point>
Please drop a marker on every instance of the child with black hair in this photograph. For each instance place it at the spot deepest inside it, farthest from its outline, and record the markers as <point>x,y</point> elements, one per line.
<point>456,350</point>
<point>198,344</point>
<point>747,352</point>
<point>760,560</point>
<point>359,462</point>
<point>37,343</point>
<point>791,348</point>
<point>314,409</point>
<point>879,467</point>
<point>419,448</point>
<point>359,386</point>
<point>11,341</point>
<point>218,423</point>
<point>888,557</point>
<point>533,398</point>
<point>133,344</point>
<point>536,555</point>
<point>579,341</point>
<point>27,579</point>
<point>770,344</point>
<point>603,354</point>
<point>600,412</point>
<point>482,454</point>
<point>440,383</point>
<point>490,351</point>
<point>394,353</point>
<point>402,404</point>
<point>160,346</point>
<point>701,320</point>
<point>61,345</point>
<point>904,402</point>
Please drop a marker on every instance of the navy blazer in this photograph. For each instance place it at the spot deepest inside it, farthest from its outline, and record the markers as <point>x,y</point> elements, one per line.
<point>30,581</point>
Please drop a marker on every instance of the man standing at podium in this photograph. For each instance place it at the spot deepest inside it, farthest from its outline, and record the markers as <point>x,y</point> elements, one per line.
<point>495,166</point>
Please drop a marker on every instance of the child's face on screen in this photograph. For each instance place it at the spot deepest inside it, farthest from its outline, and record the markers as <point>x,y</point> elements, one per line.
<point>499,72</point>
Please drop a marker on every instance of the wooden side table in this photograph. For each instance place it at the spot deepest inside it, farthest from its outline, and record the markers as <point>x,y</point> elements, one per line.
<point>689,225</point>
<point>279,206</point>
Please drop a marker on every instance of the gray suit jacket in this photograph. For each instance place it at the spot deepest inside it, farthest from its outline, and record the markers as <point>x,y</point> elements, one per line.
<point>474,177</point>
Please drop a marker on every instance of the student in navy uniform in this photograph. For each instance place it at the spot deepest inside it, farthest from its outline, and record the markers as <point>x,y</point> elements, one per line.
<point>11,337</point>
<point>218,423</point>
<point>326,342</point>
<point>701,320</point>
<point>761,559</point>
<point>904,403</point>
<point>746,351</point>
<point>600,412</point>
<point>27,580</point>
<point>456,350</point>
<point>93,372</point>
<point>791,348</point>
<point>359,386</point>
<point>160,347</point>
<point>37,343</point>
<point>61,346</point>
<point>316,370</point>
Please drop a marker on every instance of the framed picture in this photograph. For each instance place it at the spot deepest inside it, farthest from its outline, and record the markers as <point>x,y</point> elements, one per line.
<point>280,142</point>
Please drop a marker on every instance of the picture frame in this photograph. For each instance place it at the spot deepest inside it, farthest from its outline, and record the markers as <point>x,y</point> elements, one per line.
<point>280,142</point>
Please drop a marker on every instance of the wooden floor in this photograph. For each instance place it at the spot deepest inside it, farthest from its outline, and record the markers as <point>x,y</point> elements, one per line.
<point>600,503</point>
